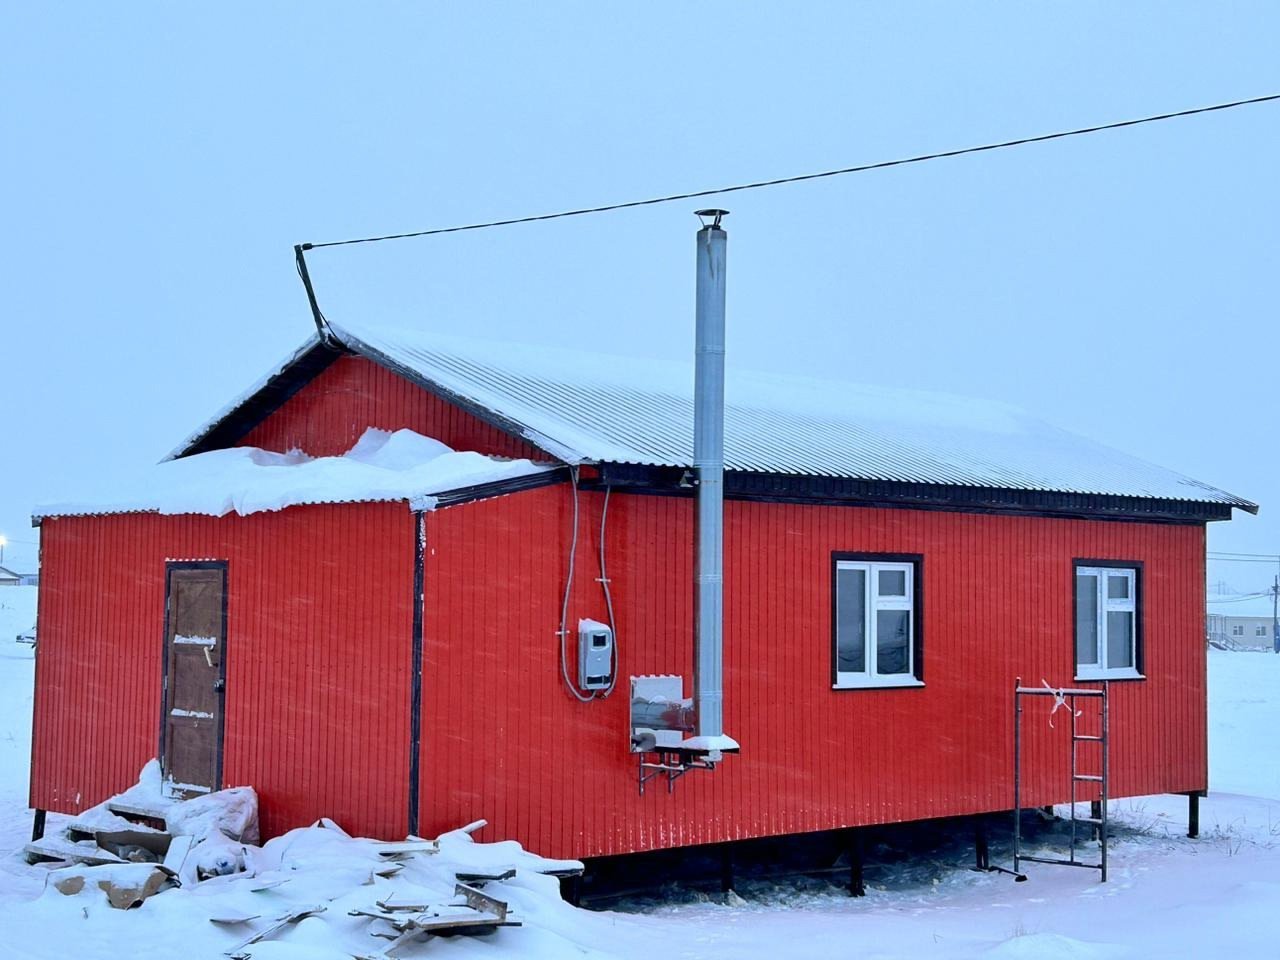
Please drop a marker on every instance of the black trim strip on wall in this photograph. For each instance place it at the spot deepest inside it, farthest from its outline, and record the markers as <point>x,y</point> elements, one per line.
<point>415,668</point>
<point>169,567</point>
<point>481,491</point>
<point>917,614</point>
<point>1139,614</point>
<point>844,491</point>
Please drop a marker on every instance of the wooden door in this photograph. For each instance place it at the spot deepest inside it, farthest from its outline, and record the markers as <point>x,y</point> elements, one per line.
<point>194,677</point>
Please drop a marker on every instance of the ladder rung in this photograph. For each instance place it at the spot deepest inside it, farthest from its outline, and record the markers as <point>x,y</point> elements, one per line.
<point>1061,863</point>
<point>1098,739</point>
<point>1087,776</point>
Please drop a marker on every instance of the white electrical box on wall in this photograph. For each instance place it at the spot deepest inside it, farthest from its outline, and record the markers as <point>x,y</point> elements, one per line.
<point>595,655</point>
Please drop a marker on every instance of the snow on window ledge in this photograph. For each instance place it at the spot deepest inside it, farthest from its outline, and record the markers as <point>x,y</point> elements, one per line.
<point>853,681</point>
<point>1125,673</point>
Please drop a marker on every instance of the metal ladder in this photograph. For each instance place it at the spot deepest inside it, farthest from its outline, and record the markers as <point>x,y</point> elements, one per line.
<point>1067,697</point>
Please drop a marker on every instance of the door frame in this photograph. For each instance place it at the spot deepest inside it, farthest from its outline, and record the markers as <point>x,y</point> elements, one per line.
<point>169,567</point>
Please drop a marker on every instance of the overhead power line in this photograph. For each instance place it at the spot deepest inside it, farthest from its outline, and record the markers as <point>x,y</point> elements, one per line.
<point>759,184</point>
<point>1241,599</point>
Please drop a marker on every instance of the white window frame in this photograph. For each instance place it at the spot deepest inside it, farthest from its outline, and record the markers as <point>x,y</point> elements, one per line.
<point>1260,630</point>
<point>1237,629</point>
<point>1104,605</point>
<point>871,678</point>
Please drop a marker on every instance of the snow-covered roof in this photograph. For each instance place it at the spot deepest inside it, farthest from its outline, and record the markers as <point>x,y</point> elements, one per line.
<point>381,466</point>
<point>585,407</point>
<point>593,408</point>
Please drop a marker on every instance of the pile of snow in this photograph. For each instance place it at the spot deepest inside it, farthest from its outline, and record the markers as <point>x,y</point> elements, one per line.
<point>232,813</point>
<point>382,466</point>
<point>17,672</point>
<point>330,878</point>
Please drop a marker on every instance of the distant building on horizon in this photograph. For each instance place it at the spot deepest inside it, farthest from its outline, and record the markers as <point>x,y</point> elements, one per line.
<point>1235,623</point>
<point>11,578</point>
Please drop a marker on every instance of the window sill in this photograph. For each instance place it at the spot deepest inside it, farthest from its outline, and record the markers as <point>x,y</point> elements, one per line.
<point>881,683</point>
<point>1110,675</point>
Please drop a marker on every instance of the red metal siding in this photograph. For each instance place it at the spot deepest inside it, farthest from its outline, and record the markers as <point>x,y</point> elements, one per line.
<point>503,740</point>
<point>330,413</point>
<point>319,630</point>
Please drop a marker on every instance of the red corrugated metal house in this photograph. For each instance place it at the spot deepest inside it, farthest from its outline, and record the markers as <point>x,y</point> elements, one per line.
<point>391,656</point>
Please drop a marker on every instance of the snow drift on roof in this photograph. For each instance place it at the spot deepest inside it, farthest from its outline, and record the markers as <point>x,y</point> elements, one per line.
<point>381,466</point>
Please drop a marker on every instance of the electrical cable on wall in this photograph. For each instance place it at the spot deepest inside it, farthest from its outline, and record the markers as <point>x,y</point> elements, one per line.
<point>608,596</point>
<point>568,587</point>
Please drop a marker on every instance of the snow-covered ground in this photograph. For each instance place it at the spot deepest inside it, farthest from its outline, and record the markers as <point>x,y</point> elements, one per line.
<point>1167,897</point>
<point>17,678</point>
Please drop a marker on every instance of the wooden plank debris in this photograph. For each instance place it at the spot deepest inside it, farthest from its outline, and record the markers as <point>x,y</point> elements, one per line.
<point>482,902</point>
<point>175,857</point>
<point>398,903</point>
<point>470,912</point>
<point>230,918</point>
<point>479,878</point>
<point>263,886</point>
<point>404,848</point>
<point>276,926</point>
<point>152,814</point>
<point>53,848</point>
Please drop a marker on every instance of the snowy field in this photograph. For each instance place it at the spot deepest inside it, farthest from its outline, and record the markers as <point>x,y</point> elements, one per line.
<point>1168,896</point>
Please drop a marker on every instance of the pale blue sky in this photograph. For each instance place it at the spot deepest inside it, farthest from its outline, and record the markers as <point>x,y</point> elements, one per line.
<point>160,161</point>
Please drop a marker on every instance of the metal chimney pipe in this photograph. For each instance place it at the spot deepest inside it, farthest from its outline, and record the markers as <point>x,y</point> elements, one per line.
<point>708,463</point>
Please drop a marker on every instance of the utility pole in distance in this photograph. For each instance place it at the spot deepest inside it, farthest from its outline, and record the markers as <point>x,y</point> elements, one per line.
<point>1275,615</point>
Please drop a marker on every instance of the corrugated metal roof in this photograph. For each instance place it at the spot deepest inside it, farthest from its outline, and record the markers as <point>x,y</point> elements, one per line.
<point>585,407</point>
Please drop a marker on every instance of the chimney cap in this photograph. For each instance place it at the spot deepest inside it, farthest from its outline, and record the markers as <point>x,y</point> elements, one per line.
<point>715,215</point>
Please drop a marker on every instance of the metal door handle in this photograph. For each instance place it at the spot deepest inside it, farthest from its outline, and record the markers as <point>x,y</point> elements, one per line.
<point>219,685</point>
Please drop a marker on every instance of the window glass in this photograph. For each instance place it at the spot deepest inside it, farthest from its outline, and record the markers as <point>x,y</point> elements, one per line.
<point>892,583</point>
<point>876,626</point>
<point>1117,587</point>
<point>1119,639</point>
<point>1237,630</point>
<point>893,641</point>
<point>1087,619</point>
<point>851,621</point>
<point>1261,631</point>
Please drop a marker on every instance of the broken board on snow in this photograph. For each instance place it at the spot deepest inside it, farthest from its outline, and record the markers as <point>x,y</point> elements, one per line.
<point>62,850</point>
<point>471,912</point>
<point>237,952</point>
<point>396,849</point>
<point>482,878</point>
<point>149,814</point>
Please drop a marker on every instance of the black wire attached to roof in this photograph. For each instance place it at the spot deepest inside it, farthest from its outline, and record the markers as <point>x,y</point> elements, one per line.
<point>883,164</point>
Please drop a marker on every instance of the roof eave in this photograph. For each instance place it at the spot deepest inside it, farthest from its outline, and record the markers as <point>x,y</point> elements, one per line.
<point>260,401</point>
